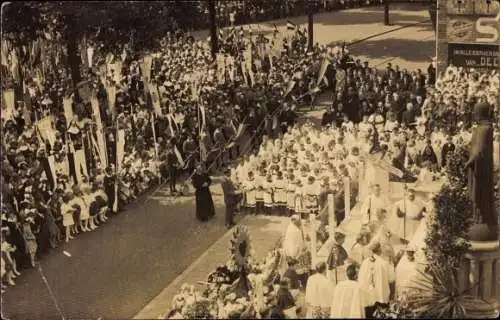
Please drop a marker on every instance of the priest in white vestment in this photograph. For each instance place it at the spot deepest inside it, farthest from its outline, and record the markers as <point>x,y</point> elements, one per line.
<point>349,298</point>
<point>406,216</point>
<point>319,291</point>
<point>377,277</point>
<point>375,174</point>
<point>294,247</point>
<point>372,204</point>
<point>407,273</point>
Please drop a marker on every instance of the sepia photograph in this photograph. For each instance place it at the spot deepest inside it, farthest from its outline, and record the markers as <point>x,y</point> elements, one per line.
<point>250,159</point>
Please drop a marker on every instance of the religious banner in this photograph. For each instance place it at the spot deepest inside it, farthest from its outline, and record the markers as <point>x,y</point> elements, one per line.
<point>155,98</point>
<point>179,157</point>
<point>120,147</point>
<point>45,129</point>
<point>146,64</point>
<point>111,91</point>
<point>8,104</point>
<point>101,143</point>
<point>90,55</point>
<point>52,167</point>
<point>202,118</point>
<point>221,68</point>
<point>3,53</point>
<point>322,71</point>
<point>68,108</point>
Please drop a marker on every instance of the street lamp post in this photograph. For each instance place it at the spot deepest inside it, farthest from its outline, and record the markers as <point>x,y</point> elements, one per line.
<point>310,24</point>
<point>386,12</point>
<point>213,27</point>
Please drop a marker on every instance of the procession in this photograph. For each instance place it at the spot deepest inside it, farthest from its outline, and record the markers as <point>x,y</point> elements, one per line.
<point>383,181</point>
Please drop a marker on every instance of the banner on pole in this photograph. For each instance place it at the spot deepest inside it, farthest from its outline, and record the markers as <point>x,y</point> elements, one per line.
<point>155,99</point>
<point>68,109</point>
<point>8,104</point>
<point>146,64</point>
<point>45,129</point>
<point>322,71</point>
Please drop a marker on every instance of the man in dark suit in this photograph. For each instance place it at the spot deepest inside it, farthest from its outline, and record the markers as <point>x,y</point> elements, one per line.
<point>231,197</point>
<point>328,117</point>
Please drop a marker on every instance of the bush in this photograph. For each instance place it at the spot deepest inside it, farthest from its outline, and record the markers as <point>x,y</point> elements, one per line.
<point>447,239</point>
<point>455,168</point>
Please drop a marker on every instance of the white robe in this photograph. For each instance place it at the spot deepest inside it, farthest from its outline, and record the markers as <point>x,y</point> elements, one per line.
<point>406,274</point>
<point>294,243</point>
<point>319,292</point>
<point>349,300</point>
<point>375,277</point>
<point>413,210</point>
<point>373,204</point>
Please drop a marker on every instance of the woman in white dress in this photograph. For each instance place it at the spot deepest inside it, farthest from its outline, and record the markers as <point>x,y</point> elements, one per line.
<point>291,185</point>
<point>67,211</point>
<point>249,187</point>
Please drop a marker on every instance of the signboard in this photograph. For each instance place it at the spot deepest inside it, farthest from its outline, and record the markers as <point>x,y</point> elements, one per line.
<point>478,56</point>
<point>468,34</point>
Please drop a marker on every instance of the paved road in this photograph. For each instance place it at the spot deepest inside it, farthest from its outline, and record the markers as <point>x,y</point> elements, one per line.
<point>117,269</point>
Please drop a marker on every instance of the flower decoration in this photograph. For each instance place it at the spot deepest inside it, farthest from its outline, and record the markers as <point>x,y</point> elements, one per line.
<point>240,247</point>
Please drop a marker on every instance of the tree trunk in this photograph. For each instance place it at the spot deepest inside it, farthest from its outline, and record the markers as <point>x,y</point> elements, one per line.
<point>213,27</point>
<point>386,12</point>
<point>74,60</point>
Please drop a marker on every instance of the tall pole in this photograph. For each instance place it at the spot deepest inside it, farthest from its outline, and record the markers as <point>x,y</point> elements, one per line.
<point>386,12</point>
<point>213,27</point>
<point>310,24</point>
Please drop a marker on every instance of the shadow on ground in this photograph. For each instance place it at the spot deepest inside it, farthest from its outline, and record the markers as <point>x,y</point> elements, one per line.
<point>404,49</point>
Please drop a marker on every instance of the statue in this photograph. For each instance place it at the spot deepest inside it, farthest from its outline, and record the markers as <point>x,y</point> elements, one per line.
<point>480,176</point>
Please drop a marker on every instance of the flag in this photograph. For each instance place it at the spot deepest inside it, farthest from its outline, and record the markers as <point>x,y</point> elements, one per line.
<point>170,124</point>
<point>3,53</point>
<point>117,67</point>
<point>179,157</point>
<point>111,91</point>
<point>146,64</point>
<point>322,71</point>
<point>155,99</point>
<point>45,129</point>
<point>203,119</point>
<point>289,25</point>
<point>289,89</point>
<point>90,55</point>
<point>154,135</point>
<point>68,109</point>
<point>7,104</point>
<point>101,144</point>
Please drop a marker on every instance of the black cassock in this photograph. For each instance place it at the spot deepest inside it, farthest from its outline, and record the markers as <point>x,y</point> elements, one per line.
<point>204,203</point>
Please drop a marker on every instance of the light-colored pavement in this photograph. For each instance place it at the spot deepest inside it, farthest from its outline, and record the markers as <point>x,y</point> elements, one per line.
<point>264,231</point>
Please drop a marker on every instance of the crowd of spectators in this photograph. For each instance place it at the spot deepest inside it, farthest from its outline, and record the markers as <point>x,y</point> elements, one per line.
<point>81,183</point>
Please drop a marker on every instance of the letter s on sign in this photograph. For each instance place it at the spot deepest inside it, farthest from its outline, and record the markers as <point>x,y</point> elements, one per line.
<point>488,26</point>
